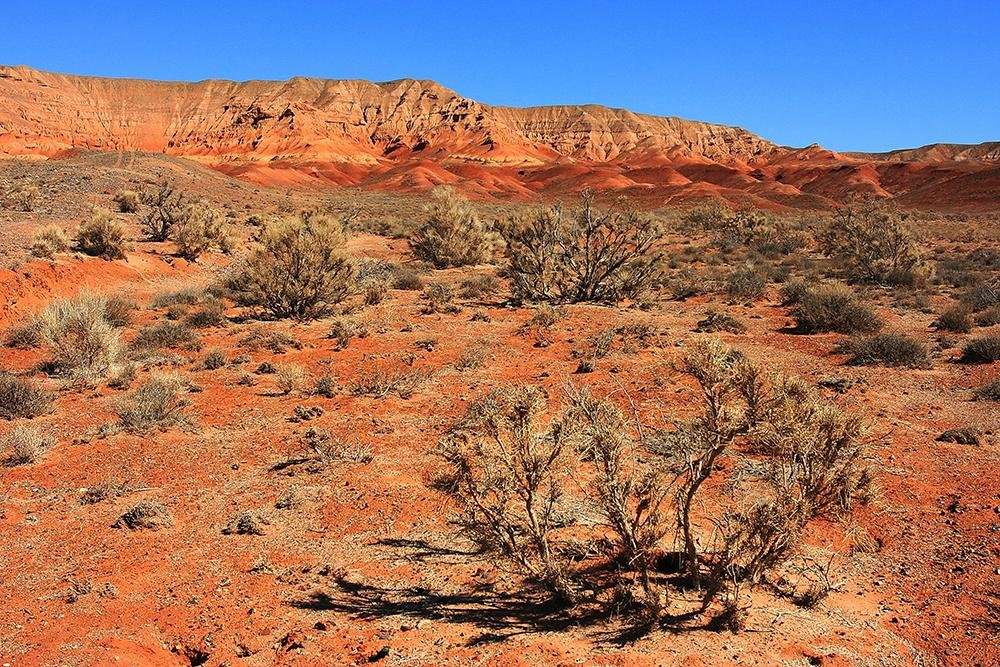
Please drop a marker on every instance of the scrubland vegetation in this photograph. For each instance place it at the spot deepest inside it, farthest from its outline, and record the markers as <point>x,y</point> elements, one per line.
<point>662,469</point>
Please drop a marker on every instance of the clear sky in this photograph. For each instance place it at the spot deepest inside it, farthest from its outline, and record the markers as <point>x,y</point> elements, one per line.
<point>849,75</point>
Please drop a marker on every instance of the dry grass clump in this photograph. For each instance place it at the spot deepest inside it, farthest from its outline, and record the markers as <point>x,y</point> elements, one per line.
<point>746,284</point>
<point>982,296</point>
<point>187,296</point>
<point>80,335</point>
<point>834,307</point>
<point>158,403</point>
<point>871,238</point>
<point>479,286</point>
<point>277,342</point>
<point>439,298</point>
<point>407,279</point>
<point>381,381</point>
<point>127,201</point>
<point>299,271</point>
<point>247,522</point>
<point>166,334</point>
<point>212,313</point>
<point>102,236</point>
<point>342,331</point>
<point>24,336</point>
<point>982,350</point>
<point>289,377</point>
<point>146,515</point>
<point>540,325</point>
<point>887,349</point>
<point>989,392</point>
<point>526,485</point>
<point>956,318</point>
<point>452,234</point>
<point>214,360</point>
<point>24,445</point>
<point>49,241</point>
<point>330,449</point>
<point>200,229</point>
<point>718,320</point>
<point>21,397</point>
<point>582,255</point>
<point>23,197</point>
<point>989,317</point>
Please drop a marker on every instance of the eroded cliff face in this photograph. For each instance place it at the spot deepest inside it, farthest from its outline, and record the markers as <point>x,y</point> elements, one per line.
<point>411,134</point>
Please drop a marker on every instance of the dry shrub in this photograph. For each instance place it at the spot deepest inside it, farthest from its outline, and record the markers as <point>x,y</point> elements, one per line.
<point>187,296</point>
<point>982,296</point>
<point>342,331</point>
<point>299,270</point>
<point>24,445</point>
<point>752,228</point>
<point>746,284</point>
<point>794,291</point>
<point>212,313</point>
<point>167,207</point>
<point>982,350</point>
<point>146,515</point>
<point>452,234</point>
<point>478,287</point>
<point>275,341</point>
<point>247,522</point>
<point>989,392</point>
<point>102,236</point>
<point>21,397</point>
<point>200,229</point>
<point>405,278</point>
<point>82,341</point>
<point>887,349</point>
<point>330,449</point>
<point>214,360</point>
<point>540,325</point>
<point>49,241</point>
<point>158,403</point>
<point>289,377</point>
<point>871,238</point>
<point>717,320</point>
<point>381,381</point>
<point>581,255</point>
<point>24,336</point>
<point>439,298</point>
<point>21,197</point>
<point>470,359</point>
<point>989,317</point>
<point>834,307</point>
<point>127,201</point>
<point>956,318</point>
<point>526,486</point>
<point>166,335</point>
<point>508,471</point>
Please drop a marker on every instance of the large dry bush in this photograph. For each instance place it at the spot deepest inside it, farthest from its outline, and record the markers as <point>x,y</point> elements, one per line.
<point>83,342</point>
<point>735,486</point>
<point>200,229</point>
<point>102,236</point>
<point>560,255</point>
<point>452,234</point>
<point>299,271</point>
<point>871,238</point>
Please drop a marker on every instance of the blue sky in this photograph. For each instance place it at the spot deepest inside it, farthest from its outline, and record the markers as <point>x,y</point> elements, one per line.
<point>848,75</point>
